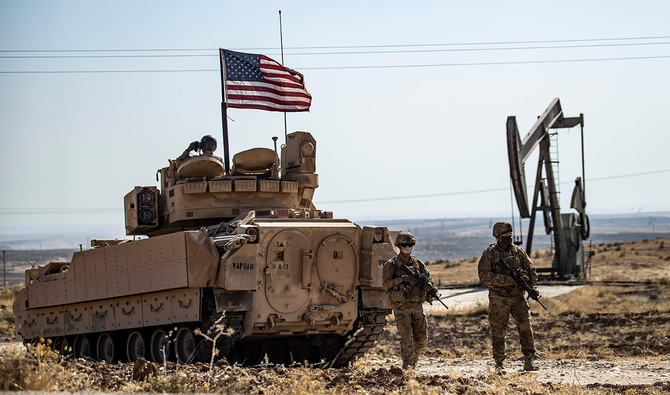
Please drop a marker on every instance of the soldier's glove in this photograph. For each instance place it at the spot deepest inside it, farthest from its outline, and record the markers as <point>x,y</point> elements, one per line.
<point>409,279</point>
<point>525,278</point>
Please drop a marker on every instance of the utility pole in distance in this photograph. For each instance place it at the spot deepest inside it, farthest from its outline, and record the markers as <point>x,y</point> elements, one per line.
<point>4,266</point>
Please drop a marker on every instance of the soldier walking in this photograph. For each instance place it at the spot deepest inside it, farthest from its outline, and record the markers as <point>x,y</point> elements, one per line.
<point>407,299</point>
<point>505,297</point>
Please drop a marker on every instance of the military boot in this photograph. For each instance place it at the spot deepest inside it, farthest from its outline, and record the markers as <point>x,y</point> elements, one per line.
<point>528,365</point>
<point>499,365</point>
<point>407,363</point>
<point>415,360</point>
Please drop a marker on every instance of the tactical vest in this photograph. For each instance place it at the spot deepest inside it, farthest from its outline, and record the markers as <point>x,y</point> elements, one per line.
<point>409,293</point>
<point>514,259</point>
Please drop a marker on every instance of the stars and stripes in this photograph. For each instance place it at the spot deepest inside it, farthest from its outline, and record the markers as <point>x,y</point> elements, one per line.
<point>258,82</point>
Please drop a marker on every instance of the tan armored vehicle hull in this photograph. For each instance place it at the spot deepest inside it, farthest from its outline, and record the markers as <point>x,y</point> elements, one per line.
<point>283,280</point>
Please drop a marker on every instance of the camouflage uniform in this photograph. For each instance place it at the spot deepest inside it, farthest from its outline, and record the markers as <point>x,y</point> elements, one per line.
<point>506,298</point>
<point>407,300</point>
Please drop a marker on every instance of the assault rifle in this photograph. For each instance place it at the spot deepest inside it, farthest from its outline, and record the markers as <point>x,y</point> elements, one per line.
<point>523,284</point>
<point>424,283</point>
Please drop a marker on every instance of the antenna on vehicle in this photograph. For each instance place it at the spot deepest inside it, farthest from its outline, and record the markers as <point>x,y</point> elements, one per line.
<point>274,139</point>
<point>281,43</point>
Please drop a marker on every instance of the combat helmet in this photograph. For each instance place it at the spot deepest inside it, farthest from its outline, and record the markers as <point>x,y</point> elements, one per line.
<point>501,227</point>
<point>404,238</point>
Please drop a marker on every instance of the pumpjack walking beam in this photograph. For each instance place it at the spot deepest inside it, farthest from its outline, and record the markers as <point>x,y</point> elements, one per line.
<point>519,151</point>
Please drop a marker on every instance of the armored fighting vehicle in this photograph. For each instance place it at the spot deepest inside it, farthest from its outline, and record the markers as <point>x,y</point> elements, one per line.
<point>240,258</point>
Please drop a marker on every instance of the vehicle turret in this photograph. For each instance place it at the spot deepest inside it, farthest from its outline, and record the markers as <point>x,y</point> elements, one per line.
<point>195,191</point>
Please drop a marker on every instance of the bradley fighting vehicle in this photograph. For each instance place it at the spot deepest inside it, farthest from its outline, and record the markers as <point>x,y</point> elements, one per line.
<point>242,258</point>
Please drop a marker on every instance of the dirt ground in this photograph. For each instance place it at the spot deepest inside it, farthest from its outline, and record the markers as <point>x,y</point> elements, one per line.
<point>596,339</point>
<point>612,349</point>
<point>598,352</point>
<point>625,261</point>
<point>610,371</point>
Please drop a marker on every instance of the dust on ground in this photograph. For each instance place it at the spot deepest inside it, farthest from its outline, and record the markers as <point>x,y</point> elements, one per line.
<point>593,352</point>
<point>594,339</point>
<point>375,375</point>
<point>461,298</point>
<point>579,349</point>
<point>644,260</point>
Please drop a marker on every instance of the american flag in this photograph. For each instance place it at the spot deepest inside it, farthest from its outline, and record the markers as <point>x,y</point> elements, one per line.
<point>258,82</point>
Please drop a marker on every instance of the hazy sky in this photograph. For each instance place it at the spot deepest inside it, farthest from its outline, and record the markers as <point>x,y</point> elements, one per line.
<point>81,141</point>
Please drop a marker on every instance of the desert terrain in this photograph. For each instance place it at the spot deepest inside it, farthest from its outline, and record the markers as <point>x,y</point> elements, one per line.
<point>610,335</point>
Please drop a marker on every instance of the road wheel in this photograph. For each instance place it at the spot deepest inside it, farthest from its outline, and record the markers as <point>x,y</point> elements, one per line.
<point>135,347</point>
<point>278,351</point>
<point>330,346</point>
<point>61,345</point>
<point>304,351</point>
<point>184,344</point>
<point>159,346</point>
<point>82,347</point>
<point>105,348</point>
<point>248,353</point>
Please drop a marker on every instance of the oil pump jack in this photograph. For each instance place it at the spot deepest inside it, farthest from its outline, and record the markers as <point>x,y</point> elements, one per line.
<point>568,229</point>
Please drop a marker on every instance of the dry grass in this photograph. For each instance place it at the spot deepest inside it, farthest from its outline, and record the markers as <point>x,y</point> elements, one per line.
<point>646,260</point>
<point>591,299</point>
<point>38,368</point>
<point>605,321</point>
<point>7,296</point>
<point>35,368</point>
<point>600,320</point>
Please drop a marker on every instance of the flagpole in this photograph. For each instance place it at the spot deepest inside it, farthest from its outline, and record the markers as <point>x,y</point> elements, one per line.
<point>281,41</point>
<point>224,112</point>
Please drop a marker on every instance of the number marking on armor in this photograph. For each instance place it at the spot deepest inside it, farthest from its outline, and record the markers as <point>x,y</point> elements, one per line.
<point>243,266</point>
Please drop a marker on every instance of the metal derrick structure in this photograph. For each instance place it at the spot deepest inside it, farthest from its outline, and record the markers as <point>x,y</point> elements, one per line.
<point>568,229</point>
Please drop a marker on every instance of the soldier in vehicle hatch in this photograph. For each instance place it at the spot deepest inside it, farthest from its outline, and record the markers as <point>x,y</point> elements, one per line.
<point>407,299</point>
<point>505,297</point>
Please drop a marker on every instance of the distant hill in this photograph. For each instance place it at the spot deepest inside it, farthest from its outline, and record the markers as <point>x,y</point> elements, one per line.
<point>18,261</point>
<point>456,238</point>
<point>481,226</point>
<point>440,238</point>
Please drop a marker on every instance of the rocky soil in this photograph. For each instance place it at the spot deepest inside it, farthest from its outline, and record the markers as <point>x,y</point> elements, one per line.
<point>603,339</point>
